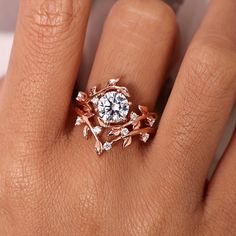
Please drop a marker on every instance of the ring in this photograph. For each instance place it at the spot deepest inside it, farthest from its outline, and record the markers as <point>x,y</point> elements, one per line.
<point>108,116</point>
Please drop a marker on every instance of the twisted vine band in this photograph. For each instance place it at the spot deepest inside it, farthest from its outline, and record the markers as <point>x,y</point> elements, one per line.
<point>107,115</point>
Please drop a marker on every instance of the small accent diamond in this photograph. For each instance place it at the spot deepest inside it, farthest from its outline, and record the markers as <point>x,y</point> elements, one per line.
<point>78,121</point>
<point>145,137</point>
<point>133,116</point>
<point>113,81</point>
<point>124,132</point>
<point>151,121</point>
<point>107,146</point>
<point>81,96</point>
<point>97,130</point>
<point>95,100</point>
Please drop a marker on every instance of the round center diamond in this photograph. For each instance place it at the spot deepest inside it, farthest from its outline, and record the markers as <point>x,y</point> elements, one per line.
<point>113,107</point>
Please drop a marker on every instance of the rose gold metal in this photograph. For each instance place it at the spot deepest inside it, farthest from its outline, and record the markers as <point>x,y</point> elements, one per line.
<point>143,124</point>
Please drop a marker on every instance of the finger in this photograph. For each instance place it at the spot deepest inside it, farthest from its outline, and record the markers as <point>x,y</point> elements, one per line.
<point>200,104</point>
<point>221,194</point>
<point>97,17</point>
<point>1,81</point>
<point>44,63</point>
<point>136,45</point>
<point>1,84</point>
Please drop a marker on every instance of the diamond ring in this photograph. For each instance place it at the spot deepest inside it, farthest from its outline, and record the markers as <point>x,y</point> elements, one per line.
<point>107,115</point>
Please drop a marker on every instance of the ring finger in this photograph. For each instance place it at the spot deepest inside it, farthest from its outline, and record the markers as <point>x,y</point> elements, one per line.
<point>136,45</point>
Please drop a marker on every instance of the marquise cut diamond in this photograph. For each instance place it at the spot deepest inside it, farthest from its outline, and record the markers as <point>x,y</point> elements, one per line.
<point>133,116</point>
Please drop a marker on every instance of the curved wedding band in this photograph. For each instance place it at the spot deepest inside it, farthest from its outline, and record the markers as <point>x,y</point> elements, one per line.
<point>107,114</point>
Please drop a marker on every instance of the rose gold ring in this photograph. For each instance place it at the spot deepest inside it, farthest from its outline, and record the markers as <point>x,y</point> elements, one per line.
<point>107,114</point>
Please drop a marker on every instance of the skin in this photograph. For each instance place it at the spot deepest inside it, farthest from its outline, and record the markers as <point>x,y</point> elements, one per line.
<point>52,182</point>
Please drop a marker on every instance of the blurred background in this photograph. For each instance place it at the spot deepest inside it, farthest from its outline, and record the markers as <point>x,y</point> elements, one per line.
<point>186,9</point>
<point>189,15</point>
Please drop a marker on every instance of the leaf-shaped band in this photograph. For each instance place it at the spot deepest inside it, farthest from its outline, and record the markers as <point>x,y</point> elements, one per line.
<point>107,115</point>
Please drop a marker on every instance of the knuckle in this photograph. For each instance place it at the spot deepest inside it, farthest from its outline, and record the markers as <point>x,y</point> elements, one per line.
<point>155,16</point>
<point>210,67</point>
<point>49,19</point>
<point>27,163</point>
<point>167,12</point>
<point>220,41</point>
<point>20,181</point>
<point>207,84</point>
<point>209,70</point>
<point>47,22</point>
<point>149,8</point>
<point>46,29</point>
<point>25,176</point>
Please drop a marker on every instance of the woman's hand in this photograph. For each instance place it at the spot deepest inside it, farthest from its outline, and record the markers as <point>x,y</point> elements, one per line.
<point>52,183</point>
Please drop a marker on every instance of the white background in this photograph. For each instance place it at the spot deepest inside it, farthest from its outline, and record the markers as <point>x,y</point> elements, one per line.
<point>191,10</point>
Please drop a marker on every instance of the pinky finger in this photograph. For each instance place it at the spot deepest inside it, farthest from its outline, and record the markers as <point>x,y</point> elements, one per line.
<point>221,194</point>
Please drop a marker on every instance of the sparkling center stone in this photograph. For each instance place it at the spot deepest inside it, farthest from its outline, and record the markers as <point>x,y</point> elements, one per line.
<point>113,107</point>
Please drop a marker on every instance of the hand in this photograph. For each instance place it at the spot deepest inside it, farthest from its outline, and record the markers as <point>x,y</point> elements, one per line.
<point>52,182</point>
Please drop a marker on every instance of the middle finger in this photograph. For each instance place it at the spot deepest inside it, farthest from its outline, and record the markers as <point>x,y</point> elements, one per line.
<point>44,64</point>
